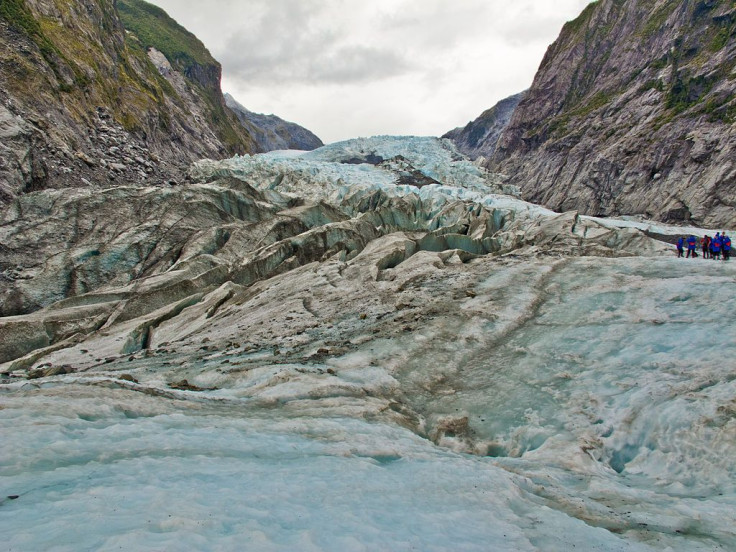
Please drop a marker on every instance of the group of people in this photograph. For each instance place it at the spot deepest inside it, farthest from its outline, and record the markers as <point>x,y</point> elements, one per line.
<point>713,248</point>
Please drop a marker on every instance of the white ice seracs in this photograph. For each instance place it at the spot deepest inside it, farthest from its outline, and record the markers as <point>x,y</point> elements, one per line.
<point>337,171</point>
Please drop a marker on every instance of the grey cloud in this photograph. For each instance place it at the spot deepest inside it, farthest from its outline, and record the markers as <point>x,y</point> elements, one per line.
<point>531,26</point>
<point>277,53</point>
<point>317,60</point>
<point>438,24</point>
<point>357,64</point>
<point>291,41</point>
<point>520,33</point>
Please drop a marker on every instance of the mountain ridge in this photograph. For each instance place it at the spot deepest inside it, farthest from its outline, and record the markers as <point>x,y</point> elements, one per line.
<point>272,132</point>
<point>479,137</point>
<point>120,92</point>
<point>100,109</point>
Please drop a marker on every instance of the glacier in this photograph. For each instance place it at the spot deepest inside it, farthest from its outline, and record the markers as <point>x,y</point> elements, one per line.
<point>337,359</point>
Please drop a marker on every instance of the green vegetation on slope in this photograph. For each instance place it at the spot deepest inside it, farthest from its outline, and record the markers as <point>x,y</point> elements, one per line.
<point>688,92</point>
<point>19,17</point>
<point>154,28</point>
<point>660,16</point>
<point>572,27</point>
<point>690,87</point>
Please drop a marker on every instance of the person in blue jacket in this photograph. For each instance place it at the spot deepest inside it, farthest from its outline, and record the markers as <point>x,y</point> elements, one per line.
<point>726,246</point>
<point>716,243</point>
<point>691,243</point>
<point>680,244</point>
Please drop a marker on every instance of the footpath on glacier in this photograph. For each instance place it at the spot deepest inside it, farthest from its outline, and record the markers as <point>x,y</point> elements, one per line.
<point>374,345</point>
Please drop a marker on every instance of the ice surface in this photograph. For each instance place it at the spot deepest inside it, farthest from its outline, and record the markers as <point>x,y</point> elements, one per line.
<point>136,474</point>
<point>339,171</point>
<point>658,227</point>
<point>402,398</point>
<point>599,409</point>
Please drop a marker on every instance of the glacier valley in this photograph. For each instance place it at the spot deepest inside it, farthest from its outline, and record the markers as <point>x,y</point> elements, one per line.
<point>375,345</point>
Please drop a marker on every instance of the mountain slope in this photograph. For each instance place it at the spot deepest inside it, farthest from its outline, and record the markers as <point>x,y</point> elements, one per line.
<point>186,55</point>
<point>479,137</point>
<point>632,112</point>
<point>273,133</point>
<point>81,101</point>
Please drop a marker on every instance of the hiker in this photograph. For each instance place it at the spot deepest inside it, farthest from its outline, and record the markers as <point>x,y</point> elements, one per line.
<point>705,242</point>
<point>716,244</point>
<point>726,246</point>
<point>691,242</point>
<point>680,243</point>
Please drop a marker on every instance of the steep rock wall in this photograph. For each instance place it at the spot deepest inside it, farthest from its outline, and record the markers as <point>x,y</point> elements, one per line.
<point>632,113</point>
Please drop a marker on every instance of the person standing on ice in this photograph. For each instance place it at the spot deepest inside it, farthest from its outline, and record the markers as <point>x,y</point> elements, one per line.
<point>706,246</point>
<point>716,244</point>
<point>691,242</point>
<point>726,246</point>
<point>680,243</point>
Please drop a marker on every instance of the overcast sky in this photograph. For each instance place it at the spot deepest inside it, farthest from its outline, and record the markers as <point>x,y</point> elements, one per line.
<point>349,68</point>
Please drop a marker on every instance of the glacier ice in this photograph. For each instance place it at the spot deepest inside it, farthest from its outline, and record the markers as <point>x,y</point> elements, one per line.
<point>387,368</point>
<point>137,475</point>
<point>346,170</point>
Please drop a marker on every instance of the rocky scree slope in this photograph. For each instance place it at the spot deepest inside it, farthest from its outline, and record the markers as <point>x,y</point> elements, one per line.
<point>95,91</point>
<point>273,133</point>
<point>479,137</point>
<point>632,112</point>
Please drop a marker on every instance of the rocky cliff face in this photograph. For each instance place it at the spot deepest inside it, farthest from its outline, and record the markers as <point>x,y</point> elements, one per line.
<point>88,97</point>
<point>632,113</point>
<point>479,137</point>
<point>273,133</point>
